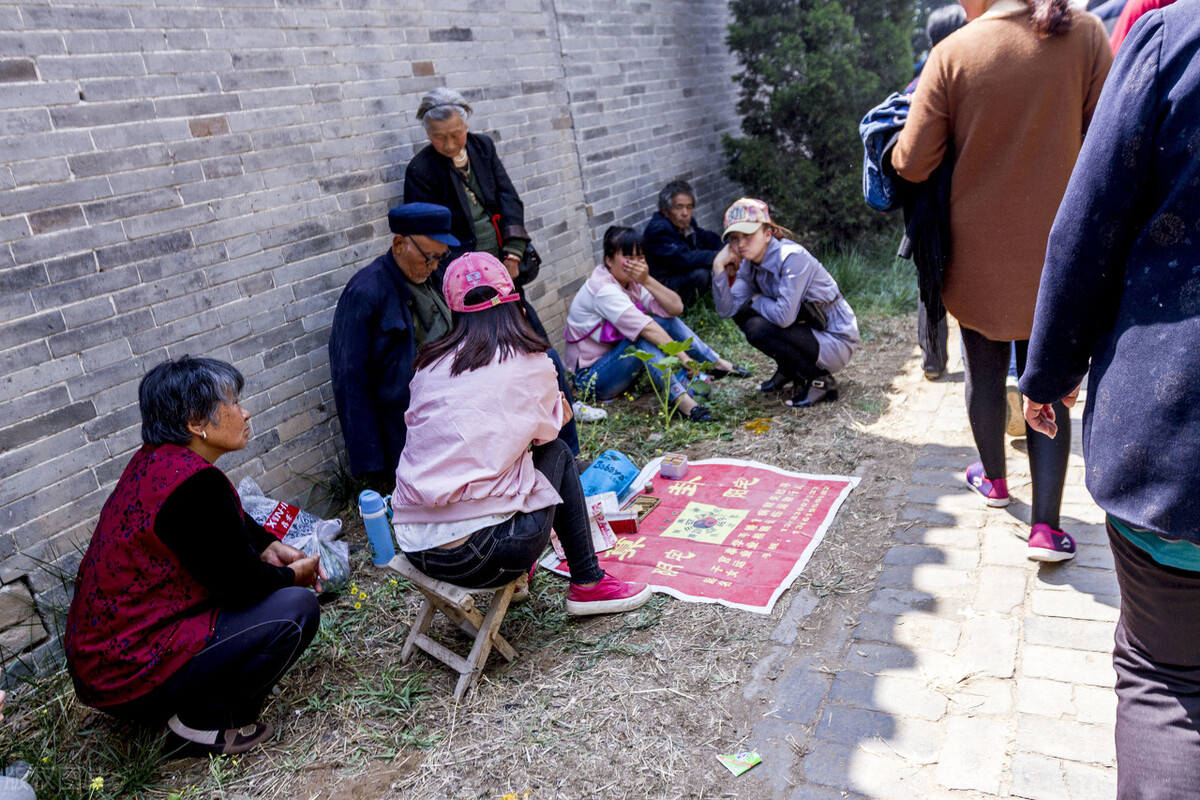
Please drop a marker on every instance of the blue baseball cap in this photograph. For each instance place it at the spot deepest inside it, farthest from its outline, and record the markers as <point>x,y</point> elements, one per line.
<point>422,219</point>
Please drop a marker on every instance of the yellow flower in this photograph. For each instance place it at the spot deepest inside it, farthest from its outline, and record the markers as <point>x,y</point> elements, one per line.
<point>362,595</point>
<point>357,606</point>
<point>97,783</point>
<point>353,589</point>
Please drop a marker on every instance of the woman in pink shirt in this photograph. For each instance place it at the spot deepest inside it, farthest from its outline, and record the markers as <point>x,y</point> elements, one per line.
<point>622,307</point>
<point>482,477</point>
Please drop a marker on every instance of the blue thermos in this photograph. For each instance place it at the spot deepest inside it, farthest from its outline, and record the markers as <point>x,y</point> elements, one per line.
<point>377,520</point>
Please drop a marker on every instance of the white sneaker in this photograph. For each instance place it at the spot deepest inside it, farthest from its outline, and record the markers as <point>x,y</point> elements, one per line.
<point>586,413</point>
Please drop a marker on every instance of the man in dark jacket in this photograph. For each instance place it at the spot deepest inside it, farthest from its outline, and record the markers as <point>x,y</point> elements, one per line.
<point>1119,301</point>
<point>678,251</point>
<point>387,310</point>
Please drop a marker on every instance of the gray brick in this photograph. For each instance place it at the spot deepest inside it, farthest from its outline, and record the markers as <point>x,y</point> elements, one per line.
<point>22,278</point>
<point>85,115</point>
<point>195,106</point>
<point>24,200</point>
<point>131,158</point>
<point>143,249</point>
<point>56,219</point>
<point>34,95</point>
<point>76,18</point>
<point>43,170</point>
<point>24,42</point>
<point>57,68</point>
<point>56,421</point>
<point>87,287</point>
<point>77,339</point>
<point>13,70</point>
<point>146,179</point>
<point>30,328</point>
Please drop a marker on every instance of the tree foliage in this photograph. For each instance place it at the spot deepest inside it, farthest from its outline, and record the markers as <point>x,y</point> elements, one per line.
<point>811,69</point>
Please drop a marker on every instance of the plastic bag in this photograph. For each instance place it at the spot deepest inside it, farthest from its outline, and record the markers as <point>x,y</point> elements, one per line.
<point>284,520</point>
<point>335,558</point>
<point>612,471</point>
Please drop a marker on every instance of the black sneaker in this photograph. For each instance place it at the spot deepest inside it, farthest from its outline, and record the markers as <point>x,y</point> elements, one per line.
<point>700,414</point>
<point>819,390</point>
<point>775,383</point>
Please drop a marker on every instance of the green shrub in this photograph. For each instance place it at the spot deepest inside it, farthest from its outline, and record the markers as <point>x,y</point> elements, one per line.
<point>811,69</point>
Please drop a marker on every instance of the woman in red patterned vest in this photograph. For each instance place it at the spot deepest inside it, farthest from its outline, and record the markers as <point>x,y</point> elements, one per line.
<point>185,609</point>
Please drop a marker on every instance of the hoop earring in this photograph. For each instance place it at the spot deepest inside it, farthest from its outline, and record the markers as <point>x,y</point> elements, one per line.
<point>203,434</point>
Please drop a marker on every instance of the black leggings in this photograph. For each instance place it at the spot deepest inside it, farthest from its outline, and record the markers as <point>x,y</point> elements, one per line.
<point>495,555</point>
<point>226,683</point>
<point>985,364</point>
<point>793,349</point>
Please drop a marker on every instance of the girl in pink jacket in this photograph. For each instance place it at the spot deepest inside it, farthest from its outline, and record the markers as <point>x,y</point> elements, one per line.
<point>482,477</point>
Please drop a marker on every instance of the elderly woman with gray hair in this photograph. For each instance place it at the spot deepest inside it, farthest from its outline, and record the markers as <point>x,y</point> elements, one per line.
<point>185,608</point>
<point>461,171</point>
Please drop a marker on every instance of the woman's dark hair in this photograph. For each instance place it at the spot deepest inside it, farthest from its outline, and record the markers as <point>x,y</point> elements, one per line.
<point>1051,17</point>
<point>479,335</point>
<point>670,190</point>
<point>944,21</point>
<point>176,393</point>
<point>619,239</point>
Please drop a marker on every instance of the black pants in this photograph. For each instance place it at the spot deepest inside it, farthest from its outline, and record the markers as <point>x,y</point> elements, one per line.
<point>793,349</point>
<point>1157,659</point>
<point>495,555</point>
<point>226,683</point>
<point>568,433</point>
<point>690,286</point>
<point>985,363</point>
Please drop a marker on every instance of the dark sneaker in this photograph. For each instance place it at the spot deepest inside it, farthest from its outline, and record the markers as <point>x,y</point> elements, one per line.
<point>775,383</point>
<point>700,414</point>
<point>819,390</point>
<point>994,493</point>
<point>608,596</point>
<point>1047,544</point>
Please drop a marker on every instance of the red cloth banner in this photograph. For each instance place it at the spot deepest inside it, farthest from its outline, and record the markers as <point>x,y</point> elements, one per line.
<point>730,532</point>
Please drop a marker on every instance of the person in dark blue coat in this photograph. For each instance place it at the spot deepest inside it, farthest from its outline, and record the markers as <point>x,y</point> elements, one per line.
<point>387,310</point>
<point>1119,301</point>
<point>678,251</point>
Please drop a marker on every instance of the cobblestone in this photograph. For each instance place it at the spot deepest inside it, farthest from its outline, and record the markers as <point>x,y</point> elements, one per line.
<point>974,672</point>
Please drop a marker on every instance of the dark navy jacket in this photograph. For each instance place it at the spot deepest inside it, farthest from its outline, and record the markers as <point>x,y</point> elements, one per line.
<point>1121,284</point>
<point>429,178</point>
<point>371,354</point>
<point>668,252</point>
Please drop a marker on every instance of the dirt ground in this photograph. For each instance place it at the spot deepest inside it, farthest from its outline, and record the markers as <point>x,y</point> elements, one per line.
<point>633,705</point>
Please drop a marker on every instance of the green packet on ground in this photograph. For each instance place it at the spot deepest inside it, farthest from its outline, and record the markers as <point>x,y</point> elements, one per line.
<point>739,763</point>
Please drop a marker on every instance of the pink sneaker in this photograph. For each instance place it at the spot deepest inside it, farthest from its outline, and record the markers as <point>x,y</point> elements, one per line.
<point>994,493</point>
<point>606,597</point>
<point>1047,544</point>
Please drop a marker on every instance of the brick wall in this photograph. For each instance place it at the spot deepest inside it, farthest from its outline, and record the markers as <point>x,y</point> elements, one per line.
<point>205,180</point>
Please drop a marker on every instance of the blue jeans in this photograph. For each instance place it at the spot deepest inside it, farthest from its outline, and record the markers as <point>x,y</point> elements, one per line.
<point>616,370</point>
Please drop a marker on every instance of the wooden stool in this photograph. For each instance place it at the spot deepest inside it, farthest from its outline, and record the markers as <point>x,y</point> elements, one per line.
<point>458,605</point>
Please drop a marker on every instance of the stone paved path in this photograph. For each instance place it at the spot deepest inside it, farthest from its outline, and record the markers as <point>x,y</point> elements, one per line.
<point>973,672</point>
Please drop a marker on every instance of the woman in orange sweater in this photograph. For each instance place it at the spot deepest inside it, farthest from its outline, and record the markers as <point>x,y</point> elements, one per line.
<point>1008,97</point>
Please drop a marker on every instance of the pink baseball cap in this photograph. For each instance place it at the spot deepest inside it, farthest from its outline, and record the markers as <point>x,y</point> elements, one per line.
<point>745,216</point>
<point>472,270</point>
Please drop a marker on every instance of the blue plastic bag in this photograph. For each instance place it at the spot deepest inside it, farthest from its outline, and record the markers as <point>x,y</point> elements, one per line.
<point>612,471</point>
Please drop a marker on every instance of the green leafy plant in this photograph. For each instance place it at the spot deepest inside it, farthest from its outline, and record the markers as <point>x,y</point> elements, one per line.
<point>667,366</point>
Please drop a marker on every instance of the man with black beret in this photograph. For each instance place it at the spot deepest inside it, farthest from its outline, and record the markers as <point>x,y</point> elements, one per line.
<point>388,309</point>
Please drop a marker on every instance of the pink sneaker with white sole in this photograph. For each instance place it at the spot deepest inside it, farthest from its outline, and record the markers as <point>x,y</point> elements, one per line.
<point>994,493</point>
<point>608,596</point>
<point>1048,544</point>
